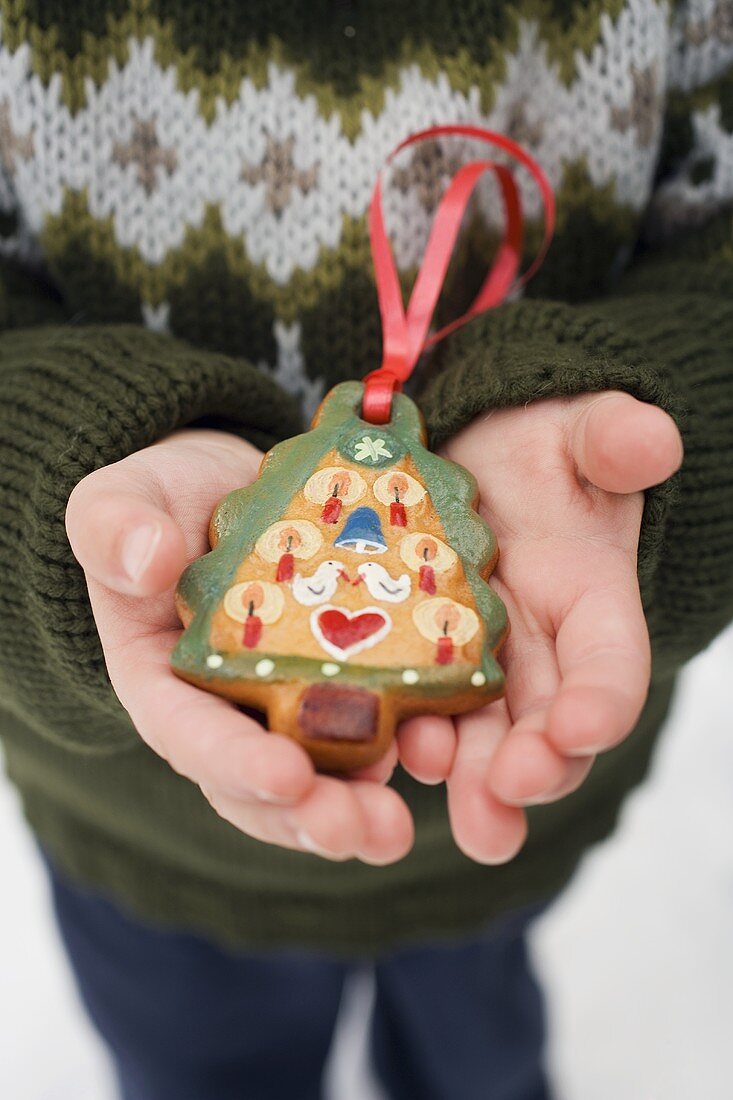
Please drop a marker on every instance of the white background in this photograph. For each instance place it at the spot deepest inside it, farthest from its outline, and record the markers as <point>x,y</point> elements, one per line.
<point>636,958</point>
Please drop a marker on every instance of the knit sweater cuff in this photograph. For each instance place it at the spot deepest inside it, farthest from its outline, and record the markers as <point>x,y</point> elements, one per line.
<point>532,350</point>
<point>76,399</point>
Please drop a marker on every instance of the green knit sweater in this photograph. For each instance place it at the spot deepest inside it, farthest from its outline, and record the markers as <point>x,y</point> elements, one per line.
<point>183,189</point>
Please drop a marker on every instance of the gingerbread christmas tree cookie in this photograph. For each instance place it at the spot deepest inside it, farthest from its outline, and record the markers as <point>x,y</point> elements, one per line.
<point>346,588</point>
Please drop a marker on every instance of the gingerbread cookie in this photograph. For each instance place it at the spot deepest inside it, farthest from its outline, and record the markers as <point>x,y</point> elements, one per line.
<point>346,588</point>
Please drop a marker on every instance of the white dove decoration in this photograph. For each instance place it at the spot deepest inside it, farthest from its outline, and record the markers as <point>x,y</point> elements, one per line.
<point>381,585</point>
<point>321,585</point>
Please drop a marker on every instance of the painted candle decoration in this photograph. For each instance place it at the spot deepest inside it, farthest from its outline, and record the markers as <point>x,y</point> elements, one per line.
<point>333,488</point>
<point>282,543</point>
<point>447,623</point>
<point>286,564</point>
<point>399,491</point>
<point>374,619</point>
<point>429,556</point>
<point>253,603</point>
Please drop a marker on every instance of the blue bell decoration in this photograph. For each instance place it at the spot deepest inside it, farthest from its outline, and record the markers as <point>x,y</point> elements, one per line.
<point>362,533</point>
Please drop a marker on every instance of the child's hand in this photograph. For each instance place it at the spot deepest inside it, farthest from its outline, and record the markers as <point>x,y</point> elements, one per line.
<point>560,484</point>
<point>133,527</point>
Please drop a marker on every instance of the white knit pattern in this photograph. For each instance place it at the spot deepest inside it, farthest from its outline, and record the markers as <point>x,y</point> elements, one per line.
<point>702,43</point>
<point>598,117</point>
<point>610,117</point>
<point>290,370</point>
<point>702,51</point>
<point>681,203</point>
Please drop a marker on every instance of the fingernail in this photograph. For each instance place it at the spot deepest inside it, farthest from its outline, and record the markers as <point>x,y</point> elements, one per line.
<point>495,861</point>
<point>538,799</point>
<point>305,840</point>
<point>138,549</point>
<point>271,799</point>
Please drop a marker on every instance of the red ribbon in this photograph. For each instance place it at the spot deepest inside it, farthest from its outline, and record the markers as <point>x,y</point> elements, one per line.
<point>405,332</point>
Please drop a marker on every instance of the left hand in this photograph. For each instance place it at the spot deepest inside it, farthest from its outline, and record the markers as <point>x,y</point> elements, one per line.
<point>133,526</point>
<point>561,485</point>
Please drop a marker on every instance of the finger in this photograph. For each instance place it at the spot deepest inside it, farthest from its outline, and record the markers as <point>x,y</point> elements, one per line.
<point>256,820</point>
<point>485,829</point>
<point>202,736</point>
<point>603,657</point>
<point>211,743</point>
<point>125,522</point>
<point>268,824</point>
<point>623,445</point>
<point>605,661</point>
<point>528,770</point>
<point>382,770</point>
<point>389,831</point>
<point>328,821</point>
<point>338,820</point>
<point>578,771</point>
<point>122,538</point>
<point>525,768</point>
<point>427,747</point>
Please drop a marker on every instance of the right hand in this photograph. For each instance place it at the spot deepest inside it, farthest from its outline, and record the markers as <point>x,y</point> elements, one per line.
<point>133,527</point>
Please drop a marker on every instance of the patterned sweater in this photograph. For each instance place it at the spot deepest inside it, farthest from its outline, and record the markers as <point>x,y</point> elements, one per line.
<point>183,188</point>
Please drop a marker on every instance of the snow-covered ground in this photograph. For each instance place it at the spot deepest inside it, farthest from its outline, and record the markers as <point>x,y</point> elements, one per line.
<point>636,957</point>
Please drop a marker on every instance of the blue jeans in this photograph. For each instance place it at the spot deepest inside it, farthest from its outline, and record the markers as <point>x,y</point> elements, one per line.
<point>186,1019</point>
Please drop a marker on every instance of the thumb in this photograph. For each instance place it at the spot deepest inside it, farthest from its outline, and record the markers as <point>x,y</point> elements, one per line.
<point>623,445</point>
<point>134,526</point>
<point>120,533</point>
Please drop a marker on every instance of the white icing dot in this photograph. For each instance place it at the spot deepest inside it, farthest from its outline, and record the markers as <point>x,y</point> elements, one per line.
<point>410,676</point>
<point>214,660</point>
<point>264,667</point>
<point>328,668</point>
<point>478,679</point>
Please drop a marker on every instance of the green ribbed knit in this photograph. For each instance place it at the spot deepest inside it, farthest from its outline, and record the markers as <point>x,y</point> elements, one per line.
<point>642,303</point>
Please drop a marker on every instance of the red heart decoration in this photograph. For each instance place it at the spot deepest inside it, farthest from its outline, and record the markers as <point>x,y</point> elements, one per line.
<point>344,633</point>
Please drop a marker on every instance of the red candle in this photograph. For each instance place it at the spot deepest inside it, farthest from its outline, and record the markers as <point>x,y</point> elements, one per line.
<point>427,579</point>
<point>331,510</point>
<point>445,650</point>
<point>252,631</point>
<point>397,514</point>
<point>285,567</point>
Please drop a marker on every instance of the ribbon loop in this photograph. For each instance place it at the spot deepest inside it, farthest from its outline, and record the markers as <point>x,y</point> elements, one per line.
<point>405,333</point>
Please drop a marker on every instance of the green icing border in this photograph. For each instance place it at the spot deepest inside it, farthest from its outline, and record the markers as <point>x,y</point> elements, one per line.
<point>244,514</point>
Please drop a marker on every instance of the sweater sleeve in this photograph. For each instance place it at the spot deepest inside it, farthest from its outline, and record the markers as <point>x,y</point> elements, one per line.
<point>74,399</point>
<point>665,335</point>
